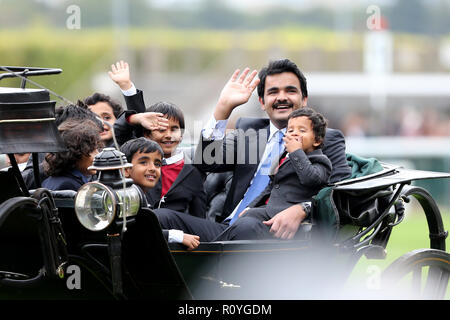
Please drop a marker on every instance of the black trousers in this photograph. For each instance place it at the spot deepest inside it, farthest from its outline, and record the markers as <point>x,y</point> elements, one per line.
<point>244,228</point>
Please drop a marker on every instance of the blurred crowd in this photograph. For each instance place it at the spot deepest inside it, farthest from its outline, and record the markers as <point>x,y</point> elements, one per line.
<point>407,122</point>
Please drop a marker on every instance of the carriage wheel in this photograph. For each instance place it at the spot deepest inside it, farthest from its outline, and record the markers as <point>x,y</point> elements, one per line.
<point>420,274</point>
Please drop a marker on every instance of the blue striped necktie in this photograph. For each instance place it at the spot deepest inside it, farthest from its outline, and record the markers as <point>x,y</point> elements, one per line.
<point>261,179</point>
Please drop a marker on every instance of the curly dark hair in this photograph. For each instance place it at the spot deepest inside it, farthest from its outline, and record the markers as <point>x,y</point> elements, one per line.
<point>76,112</point>
<point>319,123</point>
<point>100,97</point>
<point>80,139</point>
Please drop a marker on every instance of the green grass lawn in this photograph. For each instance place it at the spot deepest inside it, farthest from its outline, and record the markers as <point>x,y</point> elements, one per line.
<point>409,235</point>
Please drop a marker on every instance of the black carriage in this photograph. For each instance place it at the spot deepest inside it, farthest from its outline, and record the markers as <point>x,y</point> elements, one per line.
<point>49,252</point>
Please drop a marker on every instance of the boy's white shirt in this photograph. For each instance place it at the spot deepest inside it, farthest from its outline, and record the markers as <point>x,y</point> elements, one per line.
<point>130,92</point>
<point>214,129</point>
<point>175,236</point>
<point>179,155</point>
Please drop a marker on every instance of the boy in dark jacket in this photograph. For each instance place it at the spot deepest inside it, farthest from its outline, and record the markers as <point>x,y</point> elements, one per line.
<point>146,157</point>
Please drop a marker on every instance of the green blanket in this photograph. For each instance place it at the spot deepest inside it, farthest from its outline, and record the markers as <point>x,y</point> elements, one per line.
<point>325,215</point>
<point>362,166</point>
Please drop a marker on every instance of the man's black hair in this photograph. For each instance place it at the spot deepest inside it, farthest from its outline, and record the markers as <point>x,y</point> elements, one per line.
<point>142,145</point>
<point>319,123</point>
<point>277,67</point>
<point>100,97</point>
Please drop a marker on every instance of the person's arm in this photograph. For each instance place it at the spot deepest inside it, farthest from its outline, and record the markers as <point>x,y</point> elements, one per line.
<point>120,74</point>
<point>129,125</point>
<point>216,155</point>
<point>178,236</point>
<point>149,120</point>
<point>310,173</point>
<point>134,98</point>
<point>135,101</point>
<point>214,129</point>
<point>123,130</point>
<point>211,155</point>
<point>236,92</point>
<point>285,224</point>
<point>191,241</point>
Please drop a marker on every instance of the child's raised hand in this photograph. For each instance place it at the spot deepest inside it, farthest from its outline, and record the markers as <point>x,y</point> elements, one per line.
<point>120,74</point>
<point>191,241</point>
<point>150,120</point>
<point>292,143</point>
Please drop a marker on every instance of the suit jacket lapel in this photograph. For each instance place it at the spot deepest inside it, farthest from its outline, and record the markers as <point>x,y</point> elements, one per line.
<point>187,169</point>
<point>259,140</point>
<point>276,166</point>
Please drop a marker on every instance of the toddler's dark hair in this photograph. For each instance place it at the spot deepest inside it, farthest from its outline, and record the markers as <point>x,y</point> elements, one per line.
<point>319,123</point>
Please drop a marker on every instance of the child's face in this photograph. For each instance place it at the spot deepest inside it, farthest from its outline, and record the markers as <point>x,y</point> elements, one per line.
<point>104,111</point>
<point>301,129</point>
<point>146,169</point>
<point>85,162</point>
<point>168,139</point>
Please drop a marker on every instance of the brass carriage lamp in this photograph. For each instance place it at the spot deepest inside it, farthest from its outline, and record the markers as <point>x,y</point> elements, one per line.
<point>98,203</point>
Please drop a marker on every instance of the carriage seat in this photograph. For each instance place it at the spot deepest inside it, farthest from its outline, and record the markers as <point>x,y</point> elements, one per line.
<point>216,186</point>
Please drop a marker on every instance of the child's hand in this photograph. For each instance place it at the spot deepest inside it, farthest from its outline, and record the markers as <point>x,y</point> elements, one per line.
<point>120,74</point>
<point>191,241</point>
<point>150,120</point>
<point>292,143</point>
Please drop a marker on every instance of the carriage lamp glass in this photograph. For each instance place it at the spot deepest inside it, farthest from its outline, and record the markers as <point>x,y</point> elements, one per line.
<point>95,206</point>
<point>98,203</point>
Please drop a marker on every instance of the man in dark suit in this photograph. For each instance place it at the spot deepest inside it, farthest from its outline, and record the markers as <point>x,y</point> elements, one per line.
<point>297,175</point>
<point>281,89</point>
<point>301,172</point>
<point>246,150</point>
